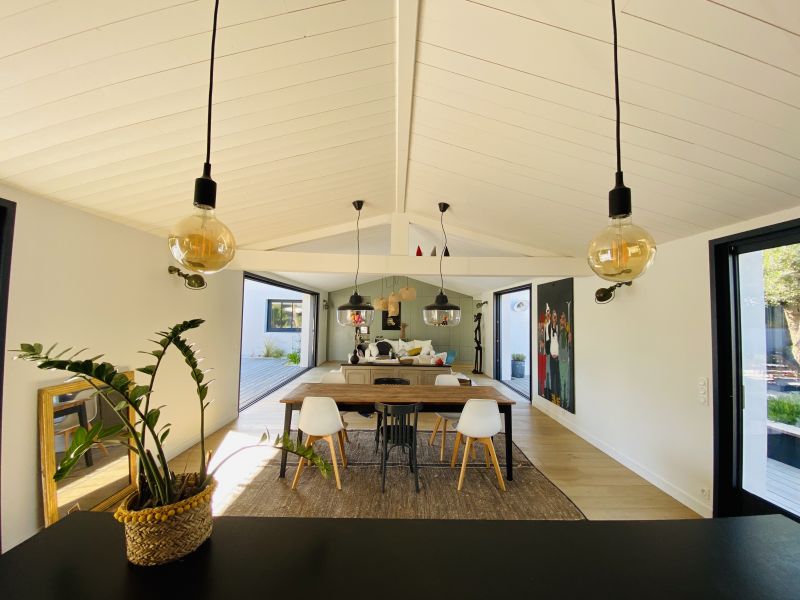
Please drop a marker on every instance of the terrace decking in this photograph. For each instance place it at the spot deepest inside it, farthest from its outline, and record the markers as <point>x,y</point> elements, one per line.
<point>261,376</point>
<point>521,385</point>
<point>783,485</point>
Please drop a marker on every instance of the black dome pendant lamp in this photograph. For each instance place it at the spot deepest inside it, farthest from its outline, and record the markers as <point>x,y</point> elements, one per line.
<point>356,312</point>
<point>201,242</point>
<point>622,251</point>
<point>442,313</point>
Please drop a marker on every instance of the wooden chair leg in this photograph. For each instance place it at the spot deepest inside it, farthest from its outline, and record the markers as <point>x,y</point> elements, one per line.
<point>329,439</point>
<point>102,447</point>
<point>455,449</point>
<point>486,454</point>
<point>435,429</point>
<point>464,463</point>
<point>302,462</point>
<point>340,436</point>
<point>497,471</point>
<point>444,439</point>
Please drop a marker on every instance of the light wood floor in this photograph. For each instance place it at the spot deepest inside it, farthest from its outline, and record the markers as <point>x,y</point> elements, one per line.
<point>600,486</point>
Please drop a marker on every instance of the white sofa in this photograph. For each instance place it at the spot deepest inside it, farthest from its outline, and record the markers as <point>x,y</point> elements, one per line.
<point>427,354</point>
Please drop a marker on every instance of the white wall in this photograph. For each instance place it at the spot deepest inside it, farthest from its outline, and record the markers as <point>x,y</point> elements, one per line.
<point>322,341</point>
<point>80,280</point>
<point>254,319</point>
<point>638,361</point>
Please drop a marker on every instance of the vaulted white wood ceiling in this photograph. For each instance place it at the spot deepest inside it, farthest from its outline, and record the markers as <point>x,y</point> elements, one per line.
<point>504,108</point>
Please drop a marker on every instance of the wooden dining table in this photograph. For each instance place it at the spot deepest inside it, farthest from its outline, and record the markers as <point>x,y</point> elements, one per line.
<point>362,397</point>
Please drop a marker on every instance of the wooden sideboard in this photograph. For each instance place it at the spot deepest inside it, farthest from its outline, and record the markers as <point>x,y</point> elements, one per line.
<point>416,374</point>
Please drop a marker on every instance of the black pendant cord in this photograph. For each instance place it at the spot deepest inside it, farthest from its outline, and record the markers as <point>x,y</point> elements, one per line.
<point>358,251</point>
<point>207,166</point>
<point>441,254</point>
<point>616,82</point>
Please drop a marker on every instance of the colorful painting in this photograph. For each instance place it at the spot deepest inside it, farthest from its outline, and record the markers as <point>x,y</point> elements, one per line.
<point>556,347</point>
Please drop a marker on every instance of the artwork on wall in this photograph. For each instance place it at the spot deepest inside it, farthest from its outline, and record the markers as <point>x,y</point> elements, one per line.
<point>556,347</point>
<point>391,323</point>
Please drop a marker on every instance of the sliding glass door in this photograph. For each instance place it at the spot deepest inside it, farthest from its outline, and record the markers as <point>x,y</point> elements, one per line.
<point>279,336</point>
<point>757,297</point>
<point>512,310</point>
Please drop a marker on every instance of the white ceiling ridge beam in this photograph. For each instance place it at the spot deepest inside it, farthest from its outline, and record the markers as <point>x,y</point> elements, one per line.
<point>316,234</point>
<point>455,266</point>
<point>405,70</point>
<point>480,238</point>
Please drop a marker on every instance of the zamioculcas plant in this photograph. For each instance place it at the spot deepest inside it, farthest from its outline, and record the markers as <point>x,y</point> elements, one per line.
<point>157,484</point>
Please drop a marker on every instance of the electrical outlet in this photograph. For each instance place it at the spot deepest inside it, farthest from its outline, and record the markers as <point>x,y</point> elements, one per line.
<point>705,493</point>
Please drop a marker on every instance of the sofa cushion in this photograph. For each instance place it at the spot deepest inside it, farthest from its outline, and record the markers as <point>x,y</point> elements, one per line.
<point>384,347</point>
<point>427,347</point>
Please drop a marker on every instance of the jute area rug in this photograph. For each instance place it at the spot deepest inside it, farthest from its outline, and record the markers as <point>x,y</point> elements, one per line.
<point>530,496</point>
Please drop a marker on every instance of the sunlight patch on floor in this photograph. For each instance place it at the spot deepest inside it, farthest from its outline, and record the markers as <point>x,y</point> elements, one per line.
<point>239,459</point>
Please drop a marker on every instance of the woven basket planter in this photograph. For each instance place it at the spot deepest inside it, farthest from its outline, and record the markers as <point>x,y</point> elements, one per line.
<point>155,536</point>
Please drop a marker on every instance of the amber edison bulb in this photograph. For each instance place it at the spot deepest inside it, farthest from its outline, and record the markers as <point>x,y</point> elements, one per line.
<point>201,242</point>
<point>622,251</point>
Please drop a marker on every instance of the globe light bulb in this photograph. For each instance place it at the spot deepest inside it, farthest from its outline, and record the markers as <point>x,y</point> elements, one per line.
<point>622,251</point>
<point>201,242</point>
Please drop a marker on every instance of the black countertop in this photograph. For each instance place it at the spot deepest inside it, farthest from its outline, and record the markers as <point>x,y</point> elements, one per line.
<point>83,556</point>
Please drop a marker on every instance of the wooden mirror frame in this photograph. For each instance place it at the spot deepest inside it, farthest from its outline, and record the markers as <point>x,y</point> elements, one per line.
<point>47,450</point>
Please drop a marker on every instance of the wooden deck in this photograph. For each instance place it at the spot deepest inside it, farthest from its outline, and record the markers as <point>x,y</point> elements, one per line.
<point>521,385</point>
<point>261,376</point>
<point>783,485</point>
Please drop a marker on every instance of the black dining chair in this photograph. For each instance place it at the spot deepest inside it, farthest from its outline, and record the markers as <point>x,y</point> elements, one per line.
<point>399,430</point>
<point>385,381</point>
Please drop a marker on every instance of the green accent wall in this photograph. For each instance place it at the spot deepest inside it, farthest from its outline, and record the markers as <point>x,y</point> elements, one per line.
<point>444,339</point>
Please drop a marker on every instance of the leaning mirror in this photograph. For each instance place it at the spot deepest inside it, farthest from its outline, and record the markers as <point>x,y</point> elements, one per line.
<point>105,474</point>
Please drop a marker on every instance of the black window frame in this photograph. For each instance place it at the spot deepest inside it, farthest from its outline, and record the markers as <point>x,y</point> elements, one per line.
<point>269,328</point>
<point>730,499</point>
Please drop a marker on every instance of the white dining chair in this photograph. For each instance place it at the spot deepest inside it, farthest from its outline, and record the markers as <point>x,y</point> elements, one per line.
<point>479,422</point>
<point>320,420</point>
<point>336,376</point>
<point>443,418</point>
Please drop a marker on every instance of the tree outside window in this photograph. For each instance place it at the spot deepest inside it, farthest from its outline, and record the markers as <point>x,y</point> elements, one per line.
<point>284,315</point>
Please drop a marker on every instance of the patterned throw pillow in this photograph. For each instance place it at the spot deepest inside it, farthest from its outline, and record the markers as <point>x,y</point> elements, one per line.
<point>384,348</point>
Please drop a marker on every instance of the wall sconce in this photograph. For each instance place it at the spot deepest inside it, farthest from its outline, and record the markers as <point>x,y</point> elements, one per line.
<point>193,282</point>
<point>325,305</point>
<point>606,295</point>
<point>478,305</point>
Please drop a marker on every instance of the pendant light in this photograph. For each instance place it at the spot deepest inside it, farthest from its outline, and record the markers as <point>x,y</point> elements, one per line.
<point>622,251</point>
<point>201,242</point>
<point>356,312</point>
<point>441,313</point>
<point>394,297</point>
<point>380,303</point>
<point>408,293</point>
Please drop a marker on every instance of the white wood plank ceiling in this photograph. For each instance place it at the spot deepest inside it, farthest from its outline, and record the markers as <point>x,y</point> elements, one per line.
<point>504,108</point>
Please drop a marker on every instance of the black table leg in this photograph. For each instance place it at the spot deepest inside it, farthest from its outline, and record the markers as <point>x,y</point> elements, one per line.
<point>84,422</point>
<point>287,426</point>
<point>509,445</point>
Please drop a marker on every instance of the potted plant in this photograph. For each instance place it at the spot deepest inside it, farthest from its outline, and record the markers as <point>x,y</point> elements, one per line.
<point>169,515</point>
<point>518,366</point>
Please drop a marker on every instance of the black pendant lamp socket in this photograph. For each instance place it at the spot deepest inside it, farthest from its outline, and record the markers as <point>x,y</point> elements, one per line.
<point>622,251</point>
<point>442,313</point>
<point>356,312</point>
<point>201,242</point>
